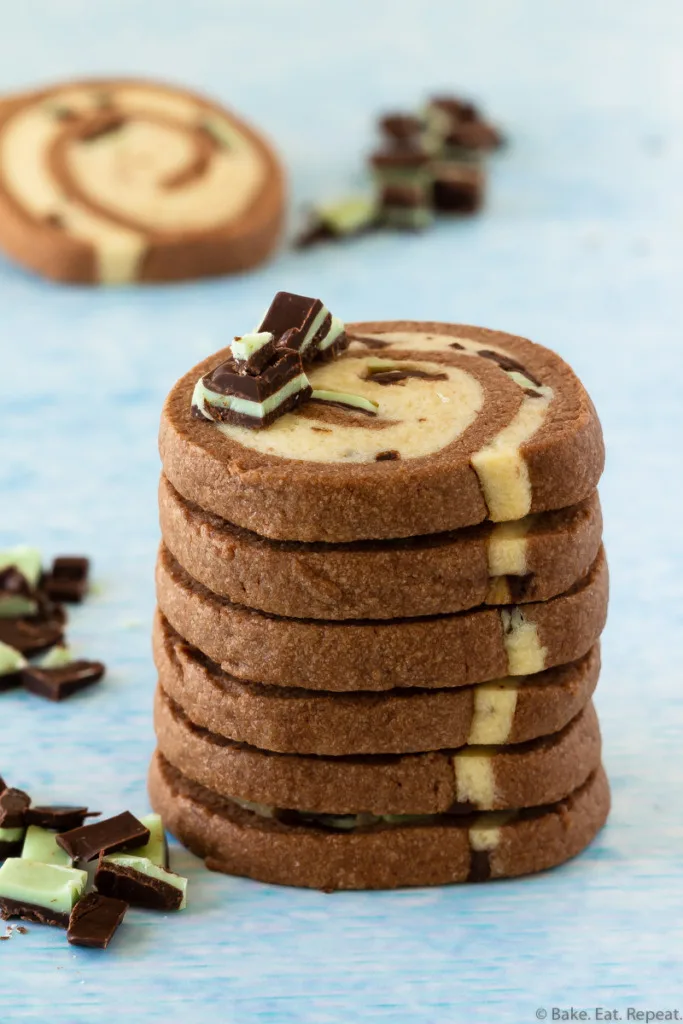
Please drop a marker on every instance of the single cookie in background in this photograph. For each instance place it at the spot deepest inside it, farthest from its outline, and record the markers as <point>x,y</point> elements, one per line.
<point>441,651</point>
<point>476,777</point>
<point>112,181</point>
<point>470,424</point>
<point>297,721</point>
<point>533,559</point>
<point>437,851</point>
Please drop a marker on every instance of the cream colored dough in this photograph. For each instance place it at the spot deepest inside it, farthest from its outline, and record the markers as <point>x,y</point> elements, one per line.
<point>522,643</point>
<point>419,418</point>
<point>494,711</point>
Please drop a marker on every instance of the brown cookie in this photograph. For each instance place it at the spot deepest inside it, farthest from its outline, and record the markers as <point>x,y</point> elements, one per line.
<point>436,852</point>
<point>110,181</point>
<point>395,722</point>
<point>486,778</point>
<point>471,425</point>
<point>447,650</point>
<point>533,559</point>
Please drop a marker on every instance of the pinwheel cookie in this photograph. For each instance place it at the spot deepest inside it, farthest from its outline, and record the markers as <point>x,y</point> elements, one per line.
<point>460,425</point>
<point>112,181</point>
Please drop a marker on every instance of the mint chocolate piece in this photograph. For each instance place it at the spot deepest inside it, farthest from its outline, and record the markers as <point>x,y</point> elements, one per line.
<point>32,635</point>
<point>317,331</point>
<point>60,682</point>
<point>17,596</point>
<point>252,352</point>
<point>59,818</point>
<point>68,578</point>
<point>13,806</point>
<point>11,664</point>
<point>94,921</point>
<point>140,882</point>
<point>45,893</point>
<point>402,127</point>
<point>122,832</point>
<point>228,396</point>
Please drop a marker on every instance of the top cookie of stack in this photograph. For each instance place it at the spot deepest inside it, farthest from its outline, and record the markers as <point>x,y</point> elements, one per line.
<point>398,507</point>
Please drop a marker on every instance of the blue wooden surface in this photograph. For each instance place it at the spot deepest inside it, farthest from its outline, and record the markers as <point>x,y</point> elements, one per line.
<point>580,248</point>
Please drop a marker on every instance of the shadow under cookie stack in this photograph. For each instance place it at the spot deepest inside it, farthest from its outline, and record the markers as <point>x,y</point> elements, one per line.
<point>380,593</point>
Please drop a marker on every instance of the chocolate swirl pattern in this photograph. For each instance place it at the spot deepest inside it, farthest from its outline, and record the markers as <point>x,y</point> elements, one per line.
<point>471,425</point>
<point>120,181</point>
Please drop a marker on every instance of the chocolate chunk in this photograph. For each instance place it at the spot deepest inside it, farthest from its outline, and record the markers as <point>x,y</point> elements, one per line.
<point>13,806</point>
<point>33,635</point>
<point>474,135</point>
<point>68,579</point>
<point>32,912</point>
<point>402,195</point>
<point>401,127</point>
<point>94,920</point>
<point>253,352</point>
<point>508,364</point>
<point>59,819</point>
<point>386,377</point>
<point>452,196</point>
<point>519,586</point>
<point>140,882</point>
<point>457,109</point>
<point>121,832</point>
<point>342,219</point>
<point>289,310</point>
<point>253,401</point>
<point>400,158</point>
<point>388,456</point>
<point>58,683</point>
<point>457,345</point>
<point>480,866</point>
<point>13,583</point>
<point>11,848</point>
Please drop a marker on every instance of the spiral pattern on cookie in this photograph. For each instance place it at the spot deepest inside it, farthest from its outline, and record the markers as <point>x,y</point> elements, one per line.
<point>431,390</point>
<point>124,167</point>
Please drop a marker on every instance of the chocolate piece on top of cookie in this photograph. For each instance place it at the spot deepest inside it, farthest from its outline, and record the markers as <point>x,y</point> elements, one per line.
<point>228,396</point>
<point>252,352</point>
<point>319,333</point>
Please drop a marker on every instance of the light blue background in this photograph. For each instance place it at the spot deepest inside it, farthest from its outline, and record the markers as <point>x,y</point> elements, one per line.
<point>580,248</point>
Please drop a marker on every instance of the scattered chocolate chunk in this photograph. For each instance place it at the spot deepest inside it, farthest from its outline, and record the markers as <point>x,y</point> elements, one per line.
<point>140,882</point>
<point>94,920</point>
<point>15,593</point>
<point>121,832</point>
<point>32,635</point>
<point>59,819</point>
<point>402,127</point>
<point>13,806</point>
<point>355,215</point>
<point>388,456</point>
<point>58,683</point>
<point>45,893</point>
<point>68,579</point>
<point>457,345</point>
<point>317,331</point>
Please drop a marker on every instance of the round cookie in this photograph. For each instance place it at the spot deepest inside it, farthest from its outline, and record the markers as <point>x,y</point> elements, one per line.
<point>533,559</point>
<point>485,778</point>
<point>449,650</point>
<point>287,721</point>
<point>472,425</point>
<point>110,181</point>
<point>441,851</point>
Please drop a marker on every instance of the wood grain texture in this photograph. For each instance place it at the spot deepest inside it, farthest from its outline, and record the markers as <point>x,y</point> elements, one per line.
<point>579,248</point>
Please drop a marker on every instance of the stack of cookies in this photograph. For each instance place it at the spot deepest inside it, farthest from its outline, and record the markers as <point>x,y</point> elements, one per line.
<point>381,589</point>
